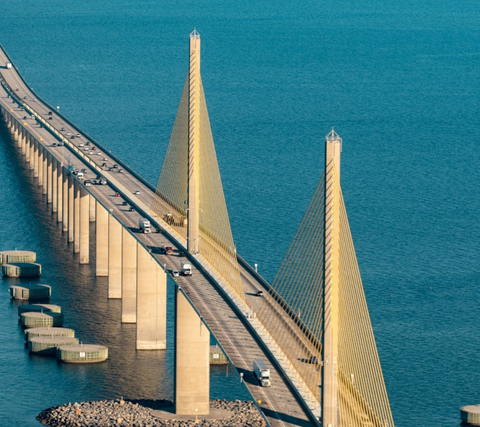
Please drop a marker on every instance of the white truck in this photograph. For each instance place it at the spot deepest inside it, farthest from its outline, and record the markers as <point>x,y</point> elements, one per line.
<point>144,225</point>
<point>186,268</point>
<point>9,65</point>
<point>262,373</point>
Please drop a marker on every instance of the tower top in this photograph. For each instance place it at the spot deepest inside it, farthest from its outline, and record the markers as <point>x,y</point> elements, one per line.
<point>194,34</point>
<point>333,137</point>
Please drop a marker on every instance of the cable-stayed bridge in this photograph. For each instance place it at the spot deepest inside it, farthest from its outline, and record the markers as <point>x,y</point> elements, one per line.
<point>312,326</point>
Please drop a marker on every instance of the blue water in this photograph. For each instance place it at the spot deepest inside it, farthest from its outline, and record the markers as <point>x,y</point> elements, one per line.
<point>400,82</point>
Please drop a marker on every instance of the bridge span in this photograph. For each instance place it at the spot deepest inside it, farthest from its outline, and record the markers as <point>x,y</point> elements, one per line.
<point>232,325</point>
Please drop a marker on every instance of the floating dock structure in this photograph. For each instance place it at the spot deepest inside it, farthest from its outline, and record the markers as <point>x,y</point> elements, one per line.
<point>82,353</point>
<point>47,346</point>
<point>39,308</point>
<point>31,292</point>
<point>41,320</point>
<point>7,257</point>
<point>470,414</point>
<point>22,269</point>
<point>48,332</point>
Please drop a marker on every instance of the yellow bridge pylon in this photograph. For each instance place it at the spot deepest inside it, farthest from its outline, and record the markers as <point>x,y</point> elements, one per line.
<point>324,329</point>
<point>189,195</point>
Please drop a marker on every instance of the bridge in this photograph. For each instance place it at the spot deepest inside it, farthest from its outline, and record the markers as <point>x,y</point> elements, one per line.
<point>311,325</point>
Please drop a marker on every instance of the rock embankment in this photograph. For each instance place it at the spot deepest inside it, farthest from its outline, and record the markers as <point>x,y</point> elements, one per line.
<point>123,413</point>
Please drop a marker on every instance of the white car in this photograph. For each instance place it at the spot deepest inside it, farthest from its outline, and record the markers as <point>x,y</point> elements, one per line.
<point>175,273</point>
<point>81,144</point>
<point>137,192</point>
<point>99,154</point>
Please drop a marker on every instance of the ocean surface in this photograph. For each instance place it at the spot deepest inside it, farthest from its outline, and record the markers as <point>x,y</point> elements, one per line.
<point>399,81</point>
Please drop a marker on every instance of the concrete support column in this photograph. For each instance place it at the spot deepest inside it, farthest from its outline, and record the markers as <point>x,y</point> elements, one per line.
<point>35,158</point>
<point>60,170</point>
<point>45,170</point>
<point>71,209</point>
<point>129,277</point>
<point>32,153</point>
<point>192,360</point>
<point>15,130</point>
<point>101,235</point>
<point>26,149</point>
<point>22,140</point>
<point>49,177</point>
<point>114,258</point>
<point>84,225</point>
<point>93,206</point>
<point>40,165</point>
<point>55,165</point>
<point>76,216</point>
<point>64,200</point>
<point>151,302</point>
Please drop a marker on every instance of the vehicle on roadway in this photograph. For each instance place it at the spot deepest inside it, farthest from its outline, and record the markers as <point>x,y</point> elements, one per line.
<point>136,192</point>
<point>175,273</point>
<point>144,225</point>
<point>88,183</point>
<point>261,372</point>
<point>186,268</point>
<point>117,194</point>
<point>168,250</point>
<point>103,181</point>
<point>120,171</point>
<point>259,293</point>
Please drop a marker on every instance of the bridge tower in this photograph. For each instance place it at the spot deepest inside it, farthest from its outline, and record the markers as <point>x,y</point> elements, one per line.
<point>189,196</point>
<point>333,150</point>
<point>324,332</point>
<point>193,235</point>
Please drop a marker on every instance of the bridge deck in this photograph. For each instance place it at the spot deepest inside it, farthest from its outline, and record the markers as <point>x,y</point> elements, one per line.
<point>279,404</point>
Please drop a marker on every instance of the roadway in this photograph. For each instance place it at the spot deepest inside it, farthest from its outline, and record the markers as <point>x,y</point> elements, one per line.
<point>278,402</point>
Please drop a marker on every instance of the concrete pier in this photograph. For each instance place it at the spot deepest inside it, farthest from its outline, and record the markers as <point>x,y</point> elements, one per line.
<point>114,258</point>
<point>54,185</point>
<point>84,225</point>
<point>65,200</point>
<point>59,192</point>
<point>71,210</point>
<point>151,302</point>
<point>101,240</point>
<point>129,277</point>
<point>76,216</point>
<point>40,165</point>
<point>49,177</point>
<point>192,365</point>
<point>45,170</point>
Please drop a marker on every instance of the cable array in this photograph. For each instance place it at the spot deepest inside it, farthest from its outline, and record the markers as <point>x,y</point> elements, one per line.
<point>216,244</point>
<point>294,311</point>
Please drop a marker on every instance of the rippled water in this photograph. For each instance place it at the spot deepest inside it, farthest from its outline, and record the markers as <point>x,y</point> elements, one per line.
<point>400,83</point>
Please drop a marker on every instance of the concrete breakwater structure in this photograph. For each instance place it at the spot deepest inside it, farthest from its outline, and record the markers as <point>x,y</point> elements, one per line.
<point>31,292</point>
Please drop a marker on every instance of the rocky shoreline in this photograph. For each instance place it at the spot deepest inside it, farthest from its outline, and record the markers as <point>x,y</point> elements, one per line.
<point>138,413</point>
